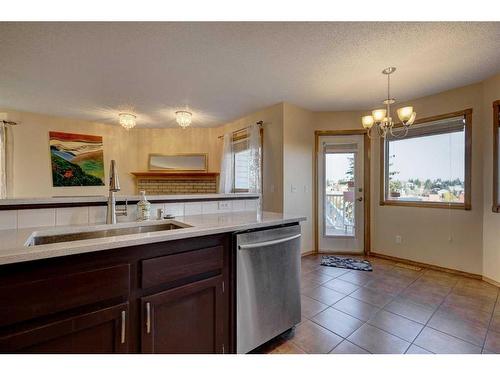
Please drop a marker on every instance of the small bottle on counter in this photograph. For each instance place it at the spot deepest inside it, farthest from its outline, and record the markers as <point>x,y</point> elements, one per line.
<point>143,207</point>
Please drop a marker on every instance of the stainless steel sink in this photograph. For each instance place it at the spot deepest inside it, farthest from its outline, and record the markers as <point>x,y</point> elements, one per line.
<point>46,238</point>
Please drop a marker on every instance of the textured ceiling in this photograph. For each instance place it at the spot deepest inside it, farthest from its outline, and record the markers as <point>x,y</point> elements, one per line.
<point>224,70</point>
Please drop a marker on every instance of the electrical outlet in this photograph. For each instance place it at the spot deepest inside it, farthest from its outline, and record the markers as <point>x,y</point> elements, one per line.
<point>306,189</point>
<point>399,239</point>
<point>450,238</point>
<point>293,188</point>
<point>224,205</point>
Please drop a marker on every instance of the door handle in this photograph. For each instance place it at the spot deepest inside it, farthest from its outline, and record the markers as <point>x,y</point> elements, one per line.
<point>148,317</point>
<point>124,326</point>
<point>359,199</point>
<point>268,243</point>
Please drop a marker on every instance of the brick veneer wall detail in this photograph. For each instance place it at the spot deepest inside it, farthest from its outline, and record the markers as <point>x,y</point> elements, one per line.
<point>181,186</point>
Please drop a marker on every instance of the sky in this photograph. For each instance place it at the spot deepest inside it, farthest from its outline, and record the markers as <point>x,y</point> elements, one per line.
<point>336,166</point>
<point>432,157</point>
<point>438,156</point>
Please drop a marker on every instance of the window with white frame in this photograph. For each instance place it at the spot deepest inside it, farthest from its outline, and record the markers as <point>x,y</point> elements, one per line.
<point>241,165</point>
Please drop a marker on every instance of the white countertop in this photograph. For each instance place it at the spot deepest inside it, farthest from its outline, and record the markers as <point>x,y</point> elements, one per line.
<point>102,198</point>
<point>14,249</point>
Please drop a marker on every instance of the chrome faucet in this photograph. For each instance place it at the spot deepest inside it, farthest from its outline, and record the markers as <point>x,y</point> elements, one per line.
<point>114,186</point>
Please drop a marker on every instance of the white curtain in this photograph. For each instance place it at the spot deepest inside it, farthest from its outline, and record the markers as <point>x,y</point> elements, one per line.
<point>226,176</point>
<point>3,161</point>
<point>254,144</point>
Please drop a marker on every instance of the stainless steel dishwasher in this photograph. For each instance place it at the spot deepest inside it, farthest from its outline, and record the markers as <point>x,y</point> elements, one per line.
<point>268,285</point>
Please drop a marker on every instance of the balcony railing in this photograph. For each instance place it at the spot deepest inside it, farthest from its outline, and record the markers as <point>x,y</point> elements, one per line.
<point>339,213</point>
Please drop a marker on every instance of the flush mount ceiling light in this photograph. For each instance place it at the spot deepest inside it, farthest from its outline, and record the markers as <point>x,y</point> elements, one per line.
<point>127,120</point>
<point>382,119</point>
<point>183,118</point>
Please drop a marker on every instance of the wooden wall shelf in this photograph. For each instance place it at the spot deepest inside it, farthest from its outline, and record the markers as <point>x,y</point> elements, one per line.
<point>176,175</point>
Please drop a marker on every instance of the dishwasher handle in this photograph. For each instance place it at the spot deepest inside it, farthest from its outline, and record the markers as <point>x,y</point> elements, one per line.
<point>268,243</point>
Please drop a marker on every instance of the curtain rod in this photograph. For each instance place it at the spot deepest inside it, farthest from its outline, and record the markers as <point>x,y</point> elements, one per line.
<point>260,123</point>
<point>9,122</point>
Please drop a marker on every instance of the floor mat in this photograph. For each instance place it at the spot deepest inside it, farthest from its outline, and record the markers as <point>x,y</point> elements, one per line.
<point>349,263</point>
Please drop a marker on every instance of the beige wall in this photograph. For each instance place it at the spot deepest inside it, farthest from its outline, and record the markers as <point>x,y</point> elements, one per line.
<point>298,159</point>
<point>288,173</point>
<point>298,137</point>
<point>272,154</point>
<point>491,221</point>
<point>29,156</point>
<point>426,232</point>
<point>174,141</point>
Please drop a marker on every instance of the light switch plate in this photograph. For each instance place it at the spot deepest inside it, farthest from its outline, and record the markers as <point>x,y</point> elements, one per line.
<point>224,205</point>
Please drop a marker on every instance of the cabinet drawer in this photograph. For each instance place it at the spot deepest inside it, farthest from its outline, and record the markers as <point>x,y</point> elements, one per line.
<point>36,298</point>
<point>169,268</point>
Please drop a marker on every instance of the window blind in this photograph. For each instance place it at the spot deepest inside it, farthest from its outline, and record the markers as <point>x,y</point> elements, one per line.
<point>449,125</point>
<point>340,147</point>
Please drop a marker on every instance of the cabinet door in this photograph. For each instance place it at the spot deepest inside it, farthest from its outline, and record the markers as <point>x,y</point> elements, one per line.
<point>100,331</point>
<point>188,319</point>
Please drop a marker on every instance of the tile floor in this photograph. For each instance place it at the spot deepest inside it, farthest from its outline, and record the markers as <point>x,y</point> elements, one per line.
<point>391,310</point>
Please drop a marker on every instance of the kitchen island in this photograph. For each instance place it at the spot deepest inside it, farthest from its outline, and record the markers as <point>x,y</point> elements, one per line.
<point>168,291</point>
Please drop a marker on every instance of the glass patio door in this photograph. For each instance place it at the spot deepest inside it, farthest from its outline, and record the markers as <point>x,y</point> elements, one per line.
<point>340,193</point>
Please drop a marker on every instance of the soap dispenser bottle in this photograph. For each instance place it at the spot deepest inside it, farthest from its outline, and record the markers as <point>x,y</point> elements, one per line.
<point>143,207</point>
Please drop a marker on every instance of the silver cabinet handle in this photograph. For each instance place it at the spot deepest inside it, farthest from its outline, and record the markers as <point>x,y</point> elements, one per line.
<point>148,317</point>
<point>124,326</point>
<point>268,243</point>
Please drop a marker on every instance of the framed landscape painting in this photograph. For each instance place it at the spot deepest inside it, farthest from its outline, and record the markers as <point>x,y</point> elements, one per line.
<point>77,159</point>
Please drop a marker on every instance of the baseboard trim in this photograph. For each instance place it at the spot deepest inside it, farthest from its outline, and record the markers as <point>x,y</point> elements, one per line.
<point>340,253</point>
<point>308,253</point>
<point>430,266</point>
<point>491,281</point>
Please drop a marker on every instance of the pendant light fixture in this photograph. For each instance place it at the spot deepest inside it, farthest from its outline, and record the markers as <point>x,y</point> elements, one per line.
<point>382,118</point>
<point>183,118</point>
<point>127,120</point>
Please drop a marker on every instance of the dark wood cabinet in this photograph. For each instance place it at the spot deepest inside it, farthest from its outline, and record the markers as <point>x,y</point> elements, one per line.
<point>170,297</point>
<point>187,319</point>
<point>101,331</point>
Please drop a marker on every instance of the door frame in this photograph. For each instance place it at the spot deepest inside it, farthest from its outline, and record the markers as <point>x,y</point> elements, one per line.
<point>366,183</point>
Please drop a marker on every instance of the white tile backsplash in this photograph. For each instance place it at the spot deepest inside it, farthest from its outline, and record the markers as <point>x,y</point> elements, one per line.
<point>97,214</point>
<point>11,219</point>
<point>210,207</point>
<point>8,219</point>
<point>72,216</point>
<point>225,205</point>
<point>176,209</point>
<point>192,208</point>
<point>131,213</point>
<point>239,205</point>
<point>43,217</point>
<point>154,210</point>
<point>251,204</point>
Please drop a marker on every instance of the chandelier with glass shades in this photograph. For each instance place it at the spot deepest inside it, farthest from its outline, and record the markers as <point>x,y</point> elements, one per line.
<point>127,120</point>
<point>382,119</point>
<point>183,118</point>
